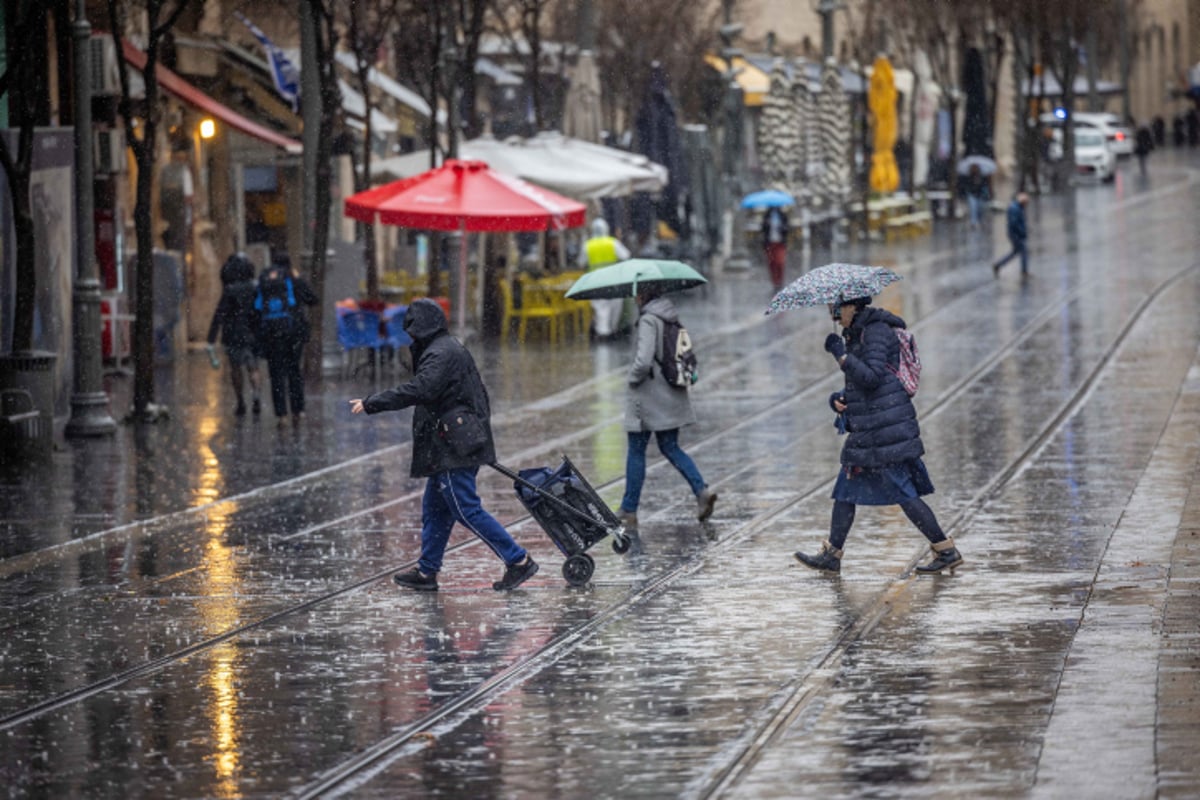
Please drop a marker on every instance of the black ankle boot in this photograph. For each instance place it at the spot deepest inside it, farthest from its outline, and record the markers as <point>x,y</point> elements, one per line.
<point>945,556</point>
<point>829,559</point>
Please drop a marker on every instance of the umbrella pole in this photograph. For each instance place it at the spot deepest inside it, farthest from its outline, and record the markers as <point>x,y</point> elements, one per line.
<point>460,299</point>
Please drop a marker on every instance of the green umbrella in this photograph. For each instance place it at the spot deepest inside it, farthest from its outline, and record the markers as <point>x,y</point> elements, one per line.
<point>625,278</point>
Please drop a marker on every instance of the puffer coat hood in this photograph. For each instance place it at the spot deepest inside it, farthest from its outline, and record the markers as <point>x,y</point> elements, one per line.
<point>880,417</point>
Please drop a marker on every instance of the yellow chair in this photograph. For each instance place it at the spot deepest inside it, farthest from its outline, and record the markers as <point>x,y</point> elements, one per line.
<point>528,310</point>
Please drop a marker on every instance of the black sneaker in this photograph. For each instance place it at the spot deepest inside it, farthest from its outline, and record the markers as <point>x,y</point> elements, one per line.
<point>256,406</point>
<point>413,579</point>
<point>516,574</point>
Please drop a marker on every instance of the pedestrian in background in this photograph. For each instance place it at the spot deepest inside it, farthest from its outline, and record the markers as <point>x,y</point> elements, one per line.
<point>1144,144</point>
<point>282,333</point>
<point>1018,234</point>
<point>774,242</point>
<point>881,459</point>
<point>654,407</point>
<point>603,250</point>
<point>234,321</point>
<point>451,439</point>
<point>976,189</point>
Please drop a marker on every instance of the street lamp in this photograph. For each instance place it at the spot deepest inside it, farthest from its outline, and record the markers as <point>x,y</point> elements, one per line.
<point>733,150</point>
<point>89,403</point>
<point>208,128</point>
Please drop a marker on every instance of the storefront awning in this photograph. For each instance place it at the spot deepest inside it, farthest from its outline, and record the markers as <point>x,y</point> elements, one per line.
<point>193,96</point>
<point>754,82</point>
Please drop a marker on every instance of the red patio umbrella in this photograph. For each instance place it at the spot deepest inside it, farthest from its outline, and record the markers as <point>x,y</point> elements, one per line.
<point>469,197</point>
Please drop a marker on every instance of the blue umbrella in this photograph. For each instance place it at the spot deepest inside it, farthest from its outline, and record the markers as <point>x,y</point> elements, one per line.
<point>768,198</point>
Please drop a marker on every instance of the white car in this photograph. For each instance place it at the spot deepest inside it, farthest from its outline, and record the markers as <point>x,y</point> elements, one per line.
<point>1093,155</point>
<point>1119,137</point>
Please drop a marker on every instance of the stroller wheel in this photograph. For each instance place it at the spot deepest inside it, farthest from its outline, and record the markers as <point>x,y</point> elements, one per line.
<point>578,569</point>
<point>621,543</point>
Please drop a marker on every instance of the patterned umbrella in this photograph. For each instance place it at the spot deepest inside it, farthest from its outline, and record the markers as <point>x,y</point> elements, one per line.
<point>804,118</point>
<point>832,283</point>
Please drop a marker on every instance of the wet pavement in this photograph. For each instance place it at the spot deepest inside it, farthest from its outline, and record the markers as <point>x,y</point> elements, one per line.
<point>203,608</point>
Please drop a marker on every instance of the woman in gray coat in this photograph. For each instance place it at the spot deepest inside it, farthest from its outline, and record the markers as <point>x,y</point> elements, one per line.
<point>653,406</point>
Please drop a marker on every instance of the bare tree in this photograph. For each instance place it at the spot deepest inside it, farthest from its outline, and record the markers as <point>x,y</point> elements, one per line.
<point>21,82</point>
<point>141,132</point>
<point>367,23</point>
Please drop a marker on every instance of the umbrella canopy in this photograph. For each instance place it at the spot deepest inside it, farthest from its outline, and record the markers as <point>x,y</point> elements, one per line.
<point>882,99</point>
<point>657,134</point>
<point>832,283</point>
<point>571,167</point>
<point>581,117</point>
<point>768,198</point>
<point>977,129</point>
<point>624,279</point>
<point>833,131</point>
<point>778,142</point>
<point>465,196</point>
<point>986,165</point>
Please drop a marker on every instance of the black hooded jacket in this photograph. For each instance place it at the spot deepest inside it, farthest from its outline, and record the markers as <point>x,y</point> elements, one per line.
<point>880,417</point>
<point>444,379</point>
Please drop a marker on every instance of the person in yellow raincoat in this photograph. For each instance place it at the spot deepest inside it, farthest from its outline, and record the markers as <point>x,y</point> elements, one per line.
<point>881,98</point>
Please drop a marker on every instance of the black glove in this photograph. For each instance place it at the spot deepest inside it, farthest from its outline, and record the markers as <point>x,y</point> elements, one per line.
<point>836,345</point>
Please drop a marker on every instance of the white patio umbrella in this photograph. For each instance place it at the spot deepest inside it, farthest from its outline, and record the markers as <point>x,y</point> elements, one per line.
<point>581,117</point>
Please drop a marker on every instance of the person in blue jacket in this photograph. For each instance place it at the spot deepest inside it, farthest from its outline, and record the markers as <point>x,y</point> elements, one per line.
<point>1018,233</point>
<point>881,459</point>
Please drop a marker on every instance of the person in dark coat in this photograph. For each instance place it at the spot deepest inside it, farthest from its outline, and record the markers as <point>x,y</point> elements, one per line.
<point>881,459</point>
<point>282,333</point>
<point>976,188</point>
<point>1144,144</point>
<point>655,408</point>
<point>446,387</point>
<point>1018,234</point>
<point>234,321</point>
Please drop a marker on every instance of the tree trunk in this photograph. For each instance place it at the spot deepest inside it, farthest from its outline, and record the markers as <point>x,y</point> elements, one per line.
<point>143,324</point>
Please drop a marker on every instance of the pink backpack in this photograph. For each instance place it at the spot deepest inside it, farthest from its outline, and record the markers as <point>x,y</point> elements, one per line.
<point>909,371</point>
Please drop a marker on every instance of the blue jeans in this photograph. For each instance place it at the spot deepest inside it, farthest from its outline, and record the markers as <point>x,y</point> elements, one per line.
<point>975,204</point>
<point>1019,249</point>
<point>635,465</point>
<point>450,497</point>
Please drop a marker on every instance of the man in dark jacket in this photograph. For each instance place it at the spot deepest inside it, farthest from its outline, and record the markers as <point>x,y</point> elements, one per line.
<point>452,438</point>
<point>234,320</point>
<point>1017,235</point>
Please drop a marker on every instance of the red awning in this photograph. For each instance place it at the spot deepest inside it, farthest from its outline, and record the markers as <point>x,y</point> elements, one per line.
<point>190,94</point>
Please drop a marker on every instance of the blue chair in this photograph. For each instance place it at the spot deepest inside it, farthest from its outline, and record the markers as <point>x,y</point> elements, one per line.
<point>393,323</point>
<point>359,330</point>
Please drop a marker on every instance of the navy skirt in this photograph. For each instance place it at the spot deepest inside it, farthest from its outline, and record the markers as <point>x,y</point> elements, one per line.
<point>885,486</point>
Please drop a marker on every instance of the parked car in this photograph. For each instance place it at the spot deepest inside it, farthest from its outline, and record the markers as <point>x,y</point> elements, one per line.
<point>1093,154</point>
<point>1120,138</point>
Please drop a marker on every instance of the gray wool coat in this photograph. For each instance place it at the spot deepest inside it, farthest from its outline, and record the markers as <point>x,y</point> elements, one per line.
<point>651,404</point>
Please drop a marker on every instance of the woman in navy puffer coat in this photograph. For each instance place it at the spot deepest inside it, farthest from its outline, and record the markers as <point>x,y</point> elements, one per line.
<point>881,460</point>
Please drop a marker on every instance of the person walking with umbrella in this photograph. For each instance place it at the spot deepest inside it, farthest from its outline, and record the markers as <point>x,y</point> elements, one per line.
<point>653,406</point>
<point>774,241</point>
<point>1018,233</point>
<point>881,459</point>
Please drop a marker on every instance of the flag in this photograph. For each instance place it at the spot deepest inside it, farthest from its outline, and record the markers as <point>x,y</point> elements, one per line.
<point>283,72</point>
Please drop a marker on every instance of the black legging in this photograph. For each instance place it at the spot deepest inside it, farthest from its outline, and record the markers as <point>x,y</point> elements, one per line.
<point>916,510</point>
<point>287,379</point>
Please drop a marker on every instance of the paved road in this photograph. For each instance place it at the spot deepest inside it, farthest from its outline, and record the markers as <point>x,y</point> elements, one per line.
<point>204,608</point>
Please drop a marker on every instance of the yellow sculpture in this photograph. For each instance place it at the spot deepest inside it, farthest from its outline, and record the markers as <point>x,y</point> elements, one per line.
<point>881,98</point>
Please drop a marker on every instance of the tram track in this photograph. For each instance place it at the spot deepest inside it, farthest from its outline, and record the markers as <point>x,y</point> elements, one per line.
<point>805,687</point>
